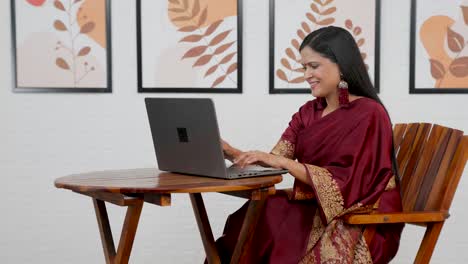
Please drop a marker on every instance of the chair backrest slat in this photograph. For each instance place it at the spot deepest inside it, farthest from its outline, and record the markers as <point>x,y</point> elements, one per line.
<point>442,179</point>
<point>434,166</point>
<point>431,159</point>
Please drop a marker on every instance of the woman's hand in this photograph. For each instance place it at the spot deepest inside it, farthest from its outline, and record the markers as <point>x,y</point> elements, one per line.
<point>258,157</point>
<point>230,152</point>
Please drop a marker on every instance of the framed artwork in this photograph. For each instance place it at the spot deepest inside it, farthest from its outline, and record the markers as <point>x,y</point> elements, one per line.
<point>439,46</point>
<point>189,46</point>
<point>61,45</point>
<point>292,20</point>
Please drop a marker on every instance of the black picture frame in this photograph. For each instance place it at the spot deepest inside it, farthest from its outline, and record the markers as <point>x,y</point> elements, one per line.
<point>181,89</point>
<point>62,89</point>
<point>272,38</point>
<point>414,62</point>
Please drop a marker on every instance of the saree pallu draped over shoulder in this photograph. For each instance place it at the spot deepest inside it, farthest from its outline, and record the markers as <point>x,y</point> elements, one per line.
<point>347,157</point>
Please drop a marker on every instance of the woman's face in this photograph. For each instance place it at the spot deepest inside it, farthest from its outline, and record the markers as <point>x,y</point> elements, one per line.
<point>322,74</point>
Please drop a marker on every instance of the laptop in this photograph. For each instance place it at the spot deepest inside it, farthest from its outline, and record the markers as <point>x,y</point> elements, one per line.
<point>186,139</point>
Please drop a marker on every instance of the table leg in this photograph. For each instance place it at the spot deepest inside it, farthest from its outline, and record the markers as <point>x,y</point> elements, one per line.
<point>128,231</point>
<point>248,227</point>
<point>204,228</point>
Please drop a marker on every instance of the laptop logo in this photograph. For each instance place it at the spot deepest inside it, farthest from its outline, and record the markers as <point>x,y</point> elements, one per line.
<point>182,133</point>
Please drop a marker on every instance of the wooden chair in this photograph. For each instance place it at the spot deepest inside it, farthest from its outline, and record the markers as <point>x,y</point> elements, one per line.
<point>431,159</point>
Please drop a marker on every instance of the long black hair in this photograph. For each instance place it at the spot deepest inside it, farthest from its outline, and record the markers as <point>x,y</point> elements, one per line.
<point>339,46</point>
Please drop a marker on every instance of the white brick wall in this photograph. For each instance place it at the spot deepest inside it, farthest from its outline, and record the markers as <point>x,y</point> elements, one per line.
<point>44,136</point>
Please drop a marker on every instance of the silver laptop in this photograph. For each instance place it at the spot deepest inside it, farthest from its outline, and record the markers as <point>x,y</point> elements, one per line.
<point>186,139</point>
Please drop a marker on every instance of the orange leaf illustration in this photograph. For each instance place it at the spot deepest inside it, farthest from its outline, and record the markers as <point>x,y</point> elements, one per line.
<point>177,10</point>
<point>301,70</point>
<point>227,58</point>
<point>218,81</point>
<point>219,38</point>
<point>222,48</point>
<point>456,42</point>
<point>301,34</point>
<point>281,75</point>
<point>232,68</point>
<point>295,44</point>
<point>315,8</point>
<point>203,60</point>
<point>196,8</point>
<point>349,24</point>
<point>286,64</point>
<point>213,27</point>
<point>59,5</point>
<point>188,29</point>
<point>329,11</point>
<point>297,80</point>
<point>194,52</point>
<point>437,69</point>
<point>203,17</point>
<point>318,2</point>
<point>84,51</point>
<point>86,28</point>
<point>191,38</point>
<point>182,18</point>
<point>459,67</point>
<point>59,25</point>
<point>327,21</point>
<point>327,2</point>
<point>311,18</point>
<point>361,42</point>
<point>62,63</point>
<point>305,27</point>
<point>465,13</point>
<point>211,70</point>
<point>357,31</point>
<point>291,54</point>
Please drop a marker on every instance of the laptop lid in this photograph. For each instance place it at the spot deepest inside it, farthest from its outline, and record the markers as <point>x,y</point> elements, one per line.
<point>186,136</point>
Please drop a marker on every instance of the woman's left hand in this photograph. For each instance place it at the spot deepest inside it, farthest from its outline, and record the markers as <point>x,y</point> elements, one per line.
<point>259,157</point>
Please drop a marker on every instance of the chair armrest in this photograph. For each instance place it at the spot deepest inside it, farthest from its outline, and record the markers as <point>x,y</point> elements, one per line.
<point>399,217</point>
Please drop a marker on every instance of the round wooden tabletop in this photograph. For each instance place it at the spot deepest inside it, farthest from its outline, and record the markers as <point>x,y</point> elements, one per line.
<point>150,180</point>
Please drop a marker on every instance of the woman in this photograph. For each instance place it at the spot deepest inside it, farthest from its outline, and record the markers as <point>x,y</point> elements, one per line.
<point>339,149</point>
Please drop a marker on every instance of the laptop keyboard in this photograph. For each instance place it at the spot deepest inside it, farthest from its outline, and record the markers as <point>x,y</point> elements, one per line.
<point>247,171</point>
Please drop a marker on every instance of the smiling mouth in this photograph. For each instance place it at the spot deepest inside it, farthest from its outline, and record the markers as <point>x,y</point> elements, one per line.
<point>313,84</point>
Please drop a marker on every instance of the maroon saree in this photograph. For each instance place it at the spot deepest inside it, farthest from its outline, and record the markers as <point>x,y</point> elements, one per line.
<point>347,157</point>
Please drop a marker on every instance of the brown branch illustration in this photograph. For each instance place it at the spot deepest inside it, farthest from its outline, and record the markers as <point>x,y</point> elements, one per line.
<point>356,31</point>
<point>204,53</point>
<point>320,15</point>
<point>75,52</point>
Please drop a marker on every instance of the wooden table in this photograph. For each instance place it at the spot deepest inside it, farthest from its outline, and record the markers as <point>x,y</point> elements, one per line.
<point>131,188</point>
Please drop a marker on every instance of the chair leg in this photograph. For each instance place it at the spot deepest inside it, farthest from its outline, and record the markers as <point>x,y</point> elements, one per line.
<point>428,243</point>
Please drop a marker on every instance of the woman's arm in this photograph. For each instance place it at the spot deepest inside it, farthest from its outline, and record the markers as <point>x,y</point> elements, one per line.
<point>295,168</point>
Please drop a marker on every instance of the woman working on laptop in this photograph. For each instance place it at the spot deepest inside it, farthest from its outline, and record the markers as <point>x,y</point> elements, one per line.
<point>339,149</point>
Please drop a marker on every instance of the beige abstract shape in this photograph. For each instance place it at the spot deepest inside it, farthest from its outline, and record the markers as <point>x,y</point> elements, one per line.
<point>433,36</point>
<point>218,10</point>
<point>94,11</point>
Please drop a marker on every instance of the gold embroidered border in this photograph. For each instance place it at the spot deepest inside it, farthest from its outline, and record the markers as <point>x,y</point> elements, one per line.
<point>362,254</point>
<point>302,191</point>
<point>391,184</point>
<point>327,190</point>
<point>284,148</point>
